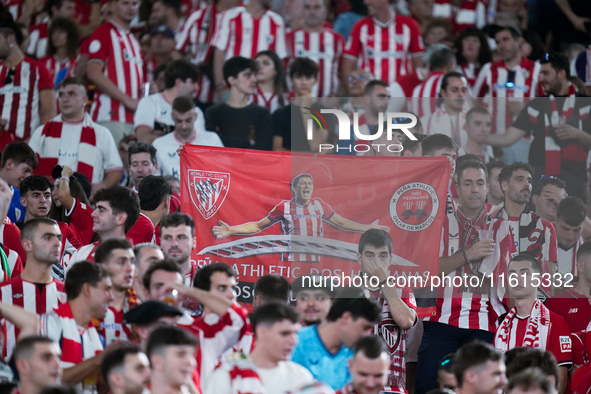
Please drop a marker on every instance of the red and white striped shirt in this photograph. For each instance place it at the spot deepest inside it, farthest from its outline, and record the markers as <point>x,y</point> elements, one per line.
<point>38,39</point>
<point>216,335</point>
<point>10,237</point>
<point>385,49</point>
<point>424,95</point>
<point>195,39</point>
<point>27,295</point>
<point>469,13</point>
<point>326,49</point>
<point>239,34</point>
<point>567,259</point>
<point>467,309</point>
<point>269,100</point>
<point>119,52</point>
<point>492,85</point>
<point>470,71</point>
<point>19,100</point>
<point>58,67</point>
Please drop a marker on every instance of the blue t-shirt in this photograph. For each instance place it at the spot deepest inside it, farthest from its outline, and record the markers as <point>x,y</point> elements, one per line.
<point>311,353</point>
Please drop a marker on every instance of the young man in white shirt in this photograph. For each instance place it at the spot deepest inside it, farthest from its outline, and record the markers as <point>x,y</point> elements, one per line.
<point>268,368</point>
<point>186,131</point>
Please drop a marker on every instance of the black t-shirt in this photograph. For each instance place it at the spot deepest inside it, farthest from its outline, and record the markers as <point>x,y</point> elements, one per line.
<point>289,124</point>
<point>531,120</point>
<point>248,127</point>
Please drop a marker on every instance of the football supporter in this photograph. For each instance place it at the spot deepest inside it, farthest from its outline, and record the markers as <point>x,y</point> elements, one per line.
<point>583,68</point>
<point>478,126</point>
<point>62,49</point>
<point>268,368</point>
<point>325,349</point>
<point>505,84</point>
<point>558,148</point>
<point>168,13</point>
<point>37,360</point>
<point>116,256</point>
<point>154,193</point>
<point>573,304</point>
<point>385,43</point>
<point>531,380</point>
<point>495,194</point>
<point>533,235</point>
<point>185,131</point>
<point>117,210</point>
<point>126,370</point>
<point>437,31</point>
<point>462,15</point>
<point>449,117</point>
<point>150,315</point>
<point>398,306</point>
<point>35,289</point>
<point>159,274</point>
<point>240,123</point>
<point>39,34</point>
<point>146,254</point>
<point>302,187</point>
<point>570,219</point>
<point>472,52</point>
<point>142,162</point>
<point>424,96</point>
<point>223,323</point>
<point>153,117</point>
<point>271,90</point>
<point>288,122</point>
<point>457,321</point>
<point>442,145</point>
<point>171,352</point>
<point>244,31</point>
<point>177,240</point>
<point>195,41</point>
<point>479,368</point>
<point>368,367</point>
<point>72,139</point>
<point>26,88</point>
<point>355,84</point>
<point>115,66</point>
<point>160,54</point>
<point>527,357</point>
<point>312,302</point>
<point>320,44</point>
<point>445,374</point>
<point>530,323</point>
<point>547,195</point>
<point>270,287</point>
<point>88,290</point>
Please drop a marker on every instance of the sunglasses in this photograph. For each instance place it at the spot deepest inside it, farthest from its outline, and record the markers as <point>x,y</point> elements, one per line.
<point>9,77</point>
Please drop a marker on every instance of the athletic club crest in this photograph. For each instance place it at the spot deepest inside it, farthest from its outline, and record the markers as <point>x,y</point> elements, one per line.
<point>413,206</point>
<point>208,190</point>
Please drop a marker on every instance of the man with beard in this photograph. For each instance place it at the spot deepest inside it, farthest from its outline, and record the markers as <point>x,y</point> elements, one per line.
<point>450,116</point>
<point>469,311</point>
<point>529,323</point>
<point>532,234</point>
<point>495,196</point>
<point>88,291</point>
<point>116,256</point>
<point>312,302</point>
<point>505,84</point>
<point>126,370</point>
<point>479,369</point>
<point>37,361</point>
<point>35,290</point>
<point>177,240</point>
<point>369,367</point>
<point>560,127</point>
<point>570,219</point>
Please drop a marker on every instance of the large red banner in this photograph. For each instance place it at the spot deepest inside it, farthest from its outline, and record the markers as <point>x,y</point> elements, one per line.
<point>299,214</point>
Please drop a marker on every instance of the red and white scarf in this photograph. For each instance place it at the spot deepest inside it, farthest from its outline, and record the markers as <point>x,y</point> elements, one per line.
<point>50,146</point>
<point>243,375</point>
<point>554,151</point>
<point>77,345</point>
<point>536,332</point>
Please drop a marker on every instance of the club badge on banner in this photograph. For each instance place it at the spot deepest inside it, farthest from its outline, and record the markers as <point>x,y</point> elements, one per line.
<point>300,214</point>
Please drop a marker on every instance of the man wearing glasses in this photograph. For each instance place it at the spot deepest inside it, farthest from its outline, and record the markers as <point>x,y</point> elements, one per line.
<point>560,127</point>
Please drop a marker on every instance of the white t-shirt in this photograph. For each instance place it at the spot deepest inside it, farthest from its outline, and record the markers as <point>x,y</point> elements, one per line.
<point>107,155</point>
<point>156,113</point>
<point>169,162</point>
<point>285,378</point>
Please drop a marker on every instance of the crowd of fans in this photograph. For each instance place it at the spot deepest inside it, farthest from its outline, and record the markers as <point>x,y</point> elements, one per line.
<point>98,289</point>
